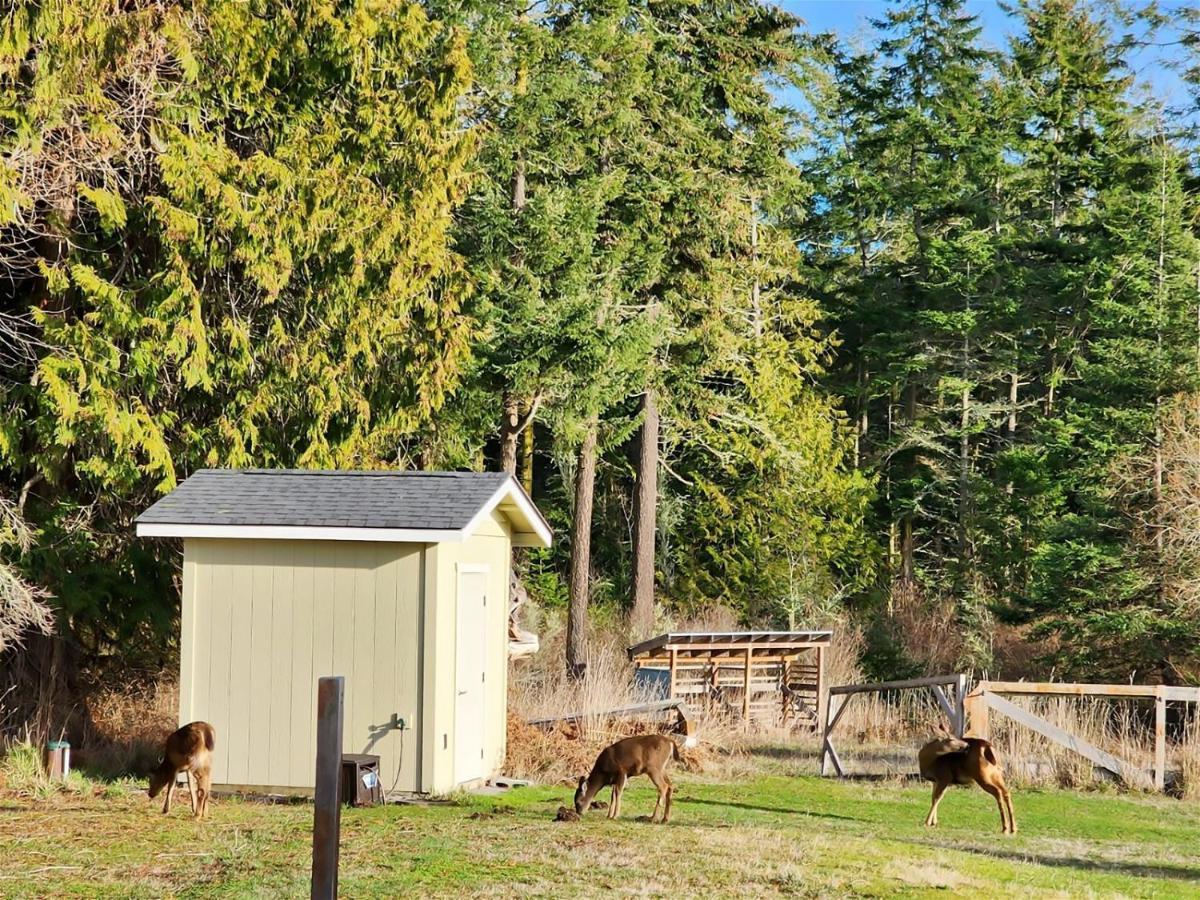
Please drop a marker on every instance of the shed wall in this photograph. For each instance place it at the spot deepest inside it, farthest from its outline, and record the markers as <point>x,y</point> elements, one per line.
<point>263,619</point>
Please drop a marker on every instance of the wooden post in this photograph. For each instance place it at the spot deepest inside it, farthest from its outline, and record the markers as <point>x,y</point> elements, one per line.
<point>1160,741</point>
<point>327,809</point>
<point>746,690</point>
<point>671,689</point>
<point>960,701</point>
<point>822,697</point>
<point>975,708</point>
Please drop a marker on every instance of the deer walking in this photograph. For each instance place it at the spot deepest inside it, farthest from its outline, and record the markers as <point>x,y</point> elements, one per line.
<point>643,754</point>
<point>948,760</point>
<point>188,750</point>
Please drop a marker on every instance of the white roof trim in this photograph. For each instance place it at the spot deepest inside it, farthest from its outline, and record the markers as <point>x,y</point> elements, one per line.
<point>535,534</point>
<point>300,533</point>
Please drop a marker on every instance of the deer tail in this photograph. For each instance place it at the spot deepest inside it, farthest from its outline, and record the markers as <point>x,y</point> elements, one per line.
<point>990,755</point>
<point>210,738</point>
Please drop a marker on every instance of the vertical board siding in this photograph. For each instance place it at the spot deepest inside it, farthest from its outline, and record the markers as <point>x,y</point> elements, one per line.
<point>303,686</point>
<point>283,610</point>
<point>273,616</point>
<point>220,604</point>
<point>258,686</point>
<point>362,692</point>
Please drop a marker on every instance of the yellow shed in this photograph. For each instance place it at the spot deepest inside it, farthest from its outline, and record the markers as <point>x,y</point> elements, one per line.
<point>397,581</point>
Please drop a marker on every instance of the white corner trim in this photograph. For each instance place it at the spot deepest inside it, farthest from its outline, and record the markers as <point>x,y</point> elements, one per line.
<point>539,537</point>
<point>302,533</point>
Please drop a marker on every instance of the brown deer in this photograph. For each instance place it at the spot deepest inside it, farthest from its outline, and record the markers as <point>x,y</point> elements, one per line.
<point>188,750</point>
<point>948,760</point>
<point>643,754</point>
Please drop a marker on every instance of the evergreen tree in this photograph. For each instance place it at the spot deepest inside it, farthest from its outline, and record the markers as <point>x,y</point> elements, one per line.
<point>243,260</point>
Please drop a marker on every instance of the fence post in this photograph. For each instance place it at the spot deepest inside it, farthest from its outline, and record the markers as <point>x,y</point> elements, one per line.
<point>822,693</point>
<point>960,705</point>
<point>1160,740</point>
<point>327,809</point>
<point>975,708</point>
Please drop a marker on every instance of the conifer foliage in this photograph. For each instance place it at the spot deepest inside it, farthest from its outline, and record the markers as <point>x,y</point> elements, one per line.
<point>897,331</point>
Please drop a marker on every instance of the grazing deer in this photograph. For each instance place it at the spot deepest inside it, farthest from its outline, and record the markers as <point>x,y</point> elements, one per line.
<point>948,760</point>
<point>643,754</point>
<point>188,750</point>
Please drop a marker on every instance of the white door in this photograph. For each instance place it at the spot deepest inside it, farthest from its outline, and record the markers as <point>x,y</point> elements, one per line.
<point>471,671</point>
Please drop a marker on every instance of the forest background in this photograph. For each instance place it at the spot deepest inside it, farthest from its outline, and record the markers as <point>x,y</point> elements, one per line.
<point>898,328</point>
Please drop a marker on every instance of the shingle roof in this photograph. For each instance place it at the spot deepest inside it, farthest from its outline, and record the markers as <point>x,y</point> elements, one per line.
<point>327,499</point>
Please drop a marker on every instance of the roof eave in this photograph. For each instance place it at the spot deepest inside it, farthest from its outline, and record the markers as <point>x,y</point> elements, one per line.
<point>530,529</point>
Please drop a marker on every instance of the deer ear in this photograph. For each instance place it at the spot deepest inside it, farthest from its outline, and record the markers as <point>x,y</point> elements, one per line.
<point>582,780</point>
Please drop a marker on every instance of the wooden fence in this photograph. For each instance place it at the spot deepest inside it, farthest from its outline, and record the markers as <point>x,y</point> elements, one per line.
<point>987,696</point>
<point>969,713</point>
<point>840,696</point>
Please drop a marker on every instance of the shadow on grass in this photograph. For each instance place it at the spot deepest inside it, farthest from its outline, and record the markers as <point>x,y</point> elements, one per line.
<point>769,809</point>
<point>1113,867</point>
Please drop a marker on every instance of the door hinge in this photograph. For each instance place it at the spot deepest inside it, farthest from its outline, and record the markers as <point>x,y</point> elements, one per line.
<point>483,676</point>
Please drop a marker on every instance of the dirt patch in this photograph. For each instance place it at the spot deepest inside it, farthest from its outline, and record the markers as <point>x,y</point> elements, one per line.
<point>566,815</point>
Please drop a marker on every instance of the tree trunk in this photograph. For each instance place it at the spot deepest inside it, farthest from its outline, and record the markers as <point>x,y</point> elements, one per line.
<point>581,555</point>
<point>645,517</point>
<point>907,543</point>
<point>510,430</point>
<point>527,456</point>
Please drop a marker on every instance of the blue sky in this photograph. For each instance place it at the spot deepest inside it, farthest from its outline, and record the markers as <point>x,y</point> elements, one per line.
<point>850,17</point>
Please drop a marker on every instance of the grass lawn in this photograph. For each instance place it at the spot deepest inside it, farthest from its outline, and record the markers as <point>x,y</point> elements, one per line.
<point>774,833</point>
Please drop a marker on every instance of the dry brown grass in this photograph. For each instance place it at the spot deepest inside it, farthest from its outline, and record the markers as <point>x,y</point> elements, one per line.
<point>124,727</point>
<point>540,688</point>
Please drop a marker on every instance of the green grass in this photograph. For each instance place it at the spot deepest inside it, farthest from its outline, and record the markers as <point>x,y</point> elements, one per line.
<point>772,834</point>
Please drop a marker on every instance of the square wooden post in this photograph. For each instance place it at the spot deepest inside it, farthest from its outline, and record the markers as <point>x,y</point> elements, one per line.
<point>671,687</point>
<point>327,807</point>
<point>822,697</point>
<point>1160,740</point>
<point>975,708</point>
<point>746,690</point>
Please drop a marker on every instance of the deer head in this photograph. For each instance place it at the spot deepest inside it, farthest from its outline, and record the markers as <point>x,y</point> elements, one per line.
<point>582,801</point>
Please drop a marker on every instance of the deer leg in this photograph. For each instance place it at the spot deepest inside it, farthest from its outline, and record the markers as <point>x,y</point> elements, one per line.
<point>995,792</point>
<point>1006,811</point>
<point>205,778</point>
<point>667,810</point>
<point>618,793</point>
<point>192,793</point>
<point>939,789</point>
<point>1012,820</point>
<point>660,782</point>
<point>169,791</point>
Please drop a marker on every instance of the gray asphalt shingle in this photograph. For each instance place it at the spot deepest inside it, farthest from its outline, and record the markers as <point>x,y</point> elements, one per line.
<point>425,500</point>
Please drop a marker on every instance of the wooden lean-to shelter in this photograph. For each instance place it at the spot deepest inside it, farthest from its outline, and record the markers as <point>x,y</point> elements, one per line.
<point>767,677</point>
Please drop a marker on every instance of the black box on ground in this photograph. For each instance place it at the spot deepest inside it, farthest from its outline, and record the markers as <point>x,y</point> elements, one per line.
<point>360,780</point>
